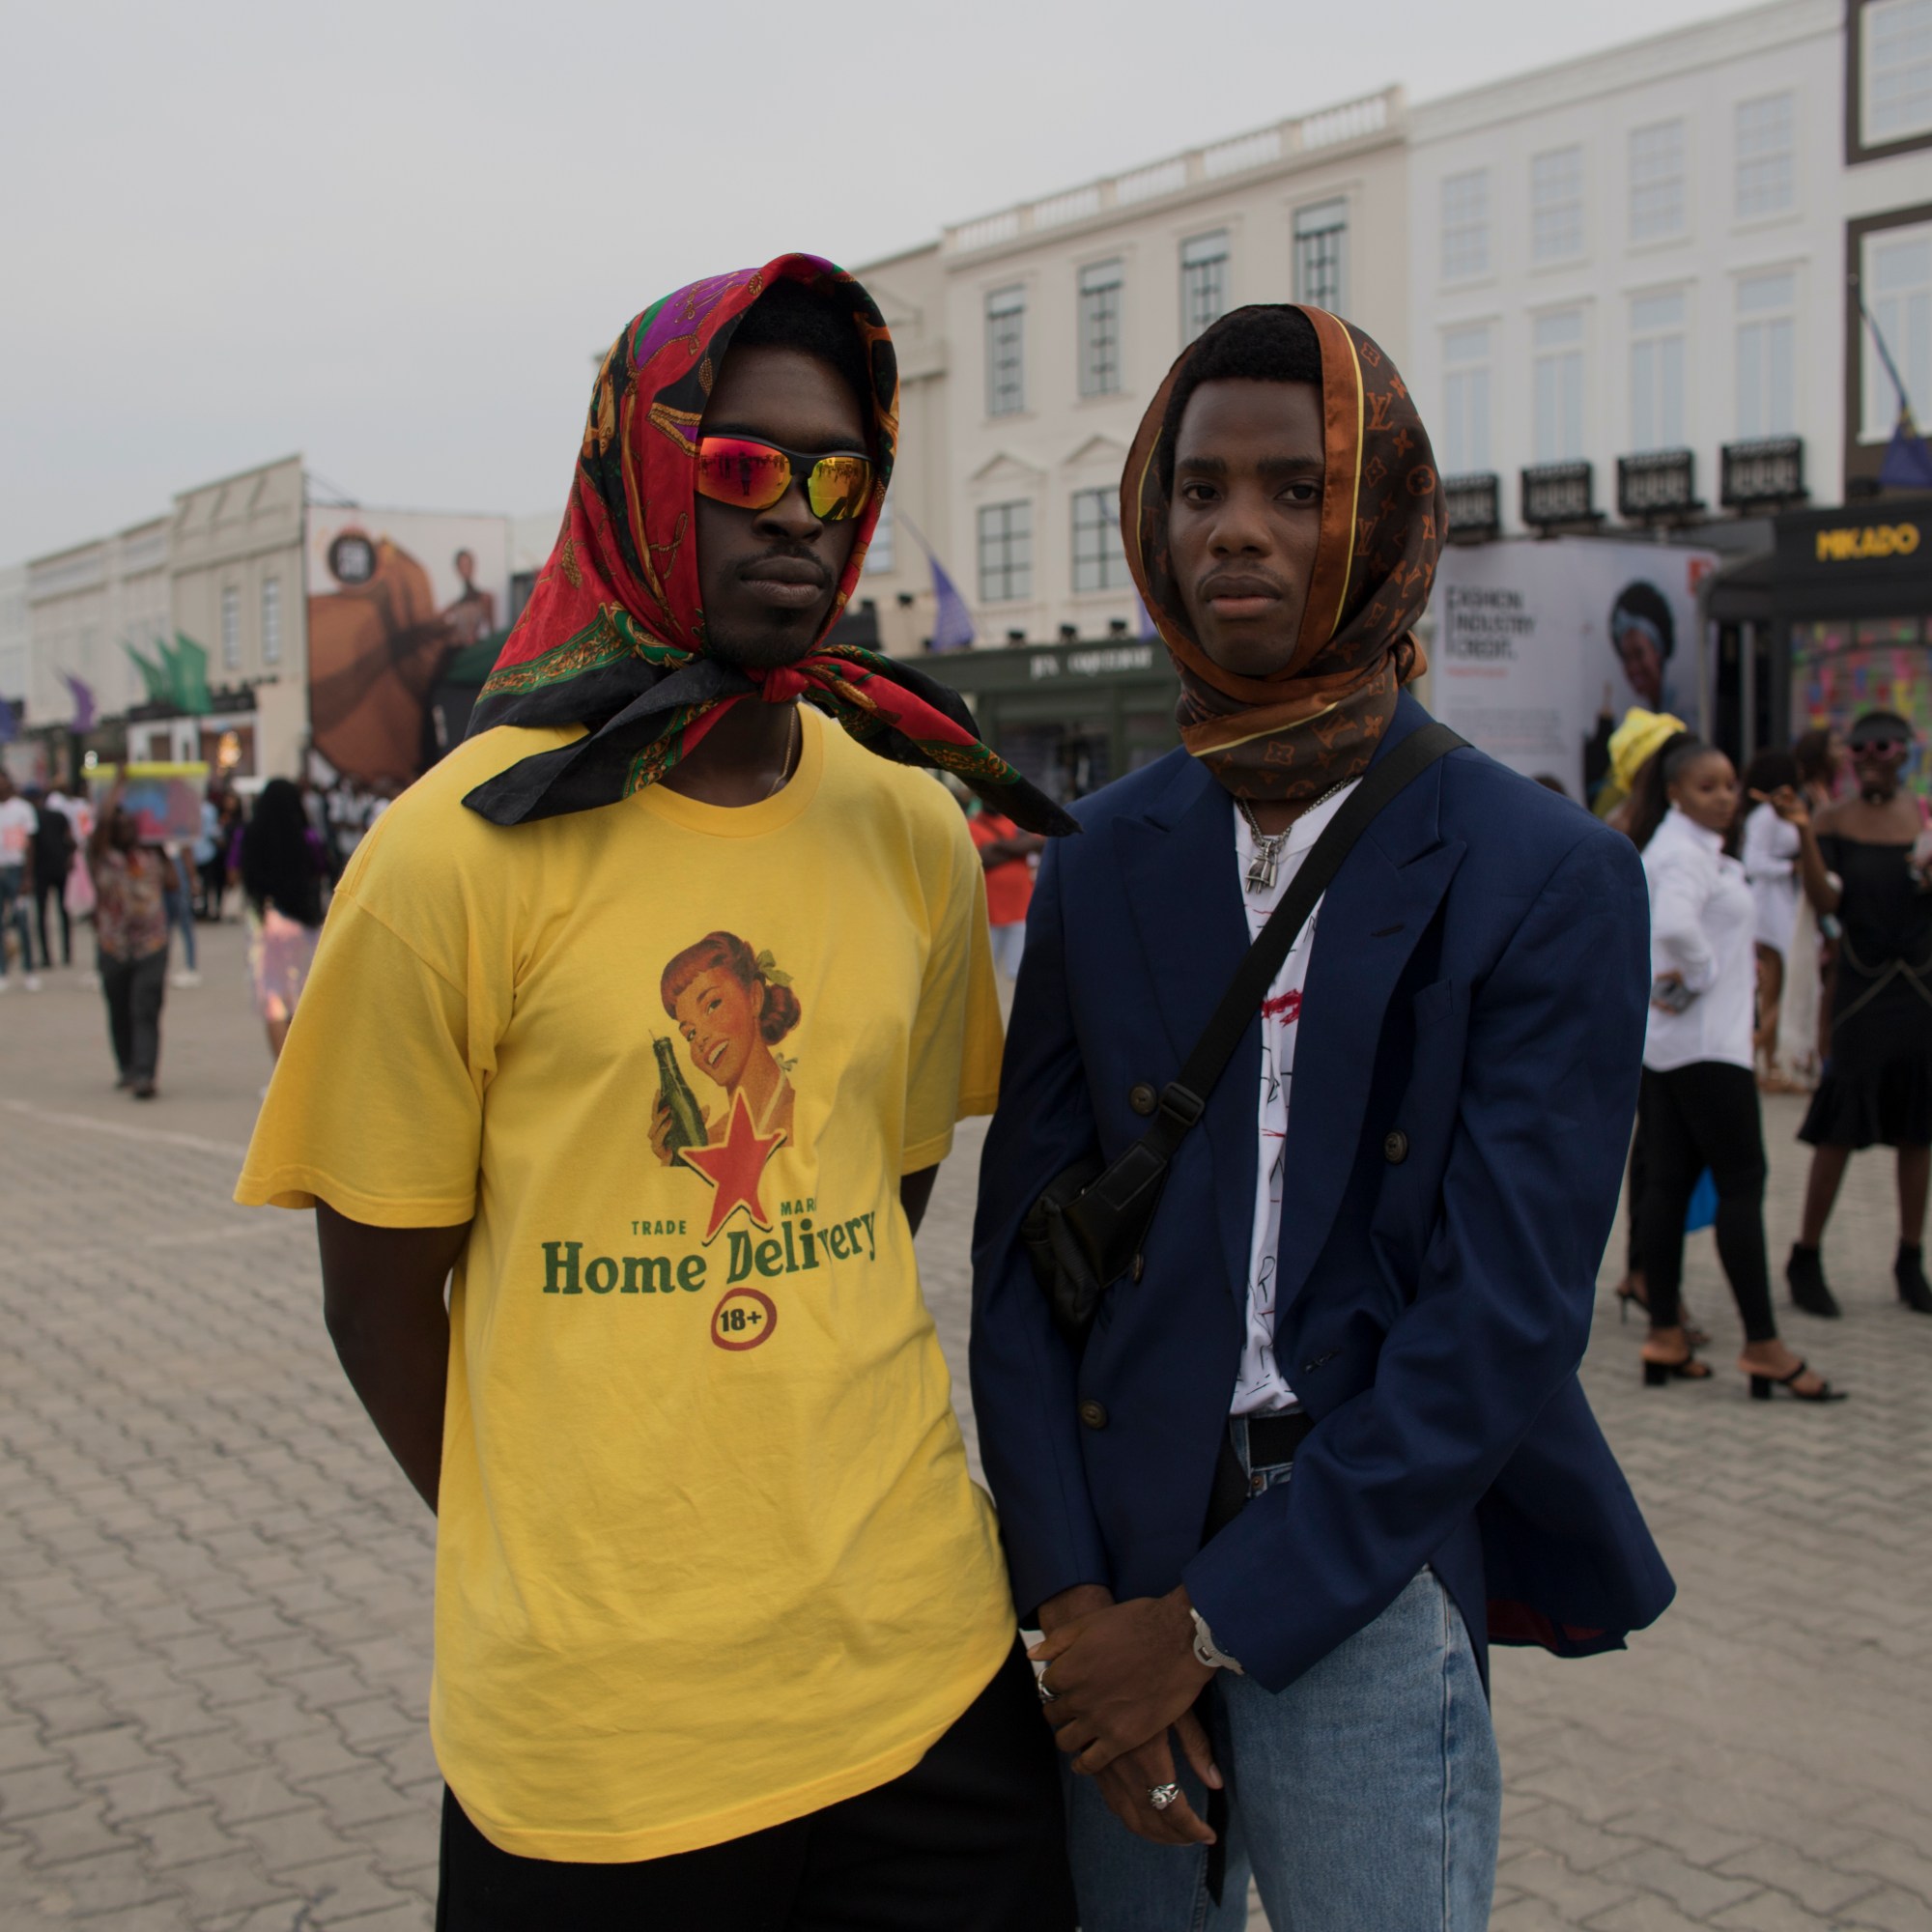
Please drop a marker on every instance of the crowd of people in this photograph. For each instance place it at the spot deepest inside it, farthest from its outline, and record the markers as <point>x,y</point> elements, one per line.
<point>1791,948</point>
<point>64,863</point>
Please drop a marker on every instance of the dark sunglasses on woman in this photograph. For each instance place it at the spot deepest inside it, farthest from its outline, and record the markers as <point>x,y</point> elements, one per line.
<point>751,475</point>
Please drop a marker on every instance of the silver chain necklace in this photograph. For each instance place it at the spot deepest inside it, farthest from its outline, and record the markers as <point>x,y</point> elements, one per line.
<point>1263,867</point>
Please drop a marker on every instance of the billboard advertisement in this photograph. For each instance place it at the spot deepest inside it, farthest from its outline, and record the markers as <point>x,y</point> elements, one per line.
<point>1538,642</point>
<point>392,596</point>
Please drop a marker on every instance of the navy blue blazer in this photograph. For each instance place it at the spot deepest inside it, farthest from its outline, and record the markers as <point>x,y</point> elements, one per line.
<point>1464,1080</point>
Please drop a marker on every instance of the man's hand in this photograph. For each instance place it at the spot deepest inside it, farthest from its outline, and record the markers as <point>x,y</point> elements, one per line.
<point>1125,1783</point>
<point>1121,1675</point>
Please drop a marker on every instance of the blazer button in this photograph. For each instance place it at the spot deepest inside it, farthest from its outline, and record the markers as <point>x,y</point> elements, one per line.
<point>1092,1414</point>
<point>1395,1149</point>
<point>1142,1098</point>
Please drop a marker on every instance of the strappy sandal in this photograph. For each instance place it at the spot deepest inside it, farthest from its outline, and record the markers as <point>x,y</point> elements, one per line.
<point>1629,1298</point>
<point>1686,1369</point>
<point>1764,1387</point>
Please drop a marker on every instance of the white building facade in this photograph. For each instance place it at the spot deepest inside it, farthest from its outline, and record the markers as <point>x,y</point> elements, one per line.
<point>1646,253</point>
<point>87,606</point>
<point>1032,340</point>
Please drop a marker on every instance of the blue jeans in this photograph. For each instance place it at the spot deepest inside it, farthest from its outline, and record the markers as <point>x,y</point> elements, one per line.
<point>1367,1796</point>
<point>14,913</point>
<point>180,906</point>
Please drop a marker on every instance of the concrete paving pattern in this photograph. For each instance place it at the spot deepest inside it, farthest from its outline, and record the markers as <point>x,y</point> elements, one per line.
<point>215,1587</point>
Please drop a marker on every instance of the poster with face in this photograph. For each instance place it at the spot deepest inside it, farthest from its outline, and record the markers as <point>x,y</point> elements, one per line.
<point>1537,640</point>
<point>392,596</point>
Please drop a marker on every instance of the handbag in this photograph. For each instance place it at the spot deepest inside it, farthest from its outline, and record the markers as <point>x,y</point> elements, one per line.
<point>1090,1225</point>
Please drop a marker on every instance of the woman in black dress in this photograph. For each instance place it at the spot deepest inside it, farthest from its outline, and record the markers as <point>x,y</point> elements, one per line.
<point>1865,862</point>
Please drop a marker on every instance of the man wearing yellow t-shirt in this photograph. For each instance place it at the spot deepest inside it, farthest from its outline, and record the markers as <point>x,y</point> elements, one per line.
<point>645,1018</point>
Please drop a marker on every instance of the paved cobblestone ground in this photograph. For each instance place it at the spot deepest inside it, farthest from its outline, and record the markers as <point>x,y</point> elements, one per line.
<point>214,1588</point>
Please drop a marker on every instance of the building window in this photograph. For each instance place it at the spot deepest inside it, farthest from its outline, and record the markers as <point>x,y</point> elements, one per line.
<point>1006,553</point>
<point>879,558</point>
<point>1896,278</point>
<point>1895,65</point>
<point>1099,561</point>
<point>1656,181</point>
<point>1767,138</point>
<point>1657,372</point>
<point>1557,342</point>
<point>1100,329</point>
<point>1320,263</point>
<point>1556,206</point>
<point>1765,358</point>
<point>231,629</point>
<point>1466,225</point>
<point>271,620</point>
<point>1005,352</point>
<point>1203,282</point>
<point>1465,401</point>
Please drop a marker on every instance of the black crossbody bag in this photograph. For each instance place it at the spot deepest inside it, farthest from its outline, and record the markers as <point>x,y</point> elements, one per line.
<point>1089,1227</point>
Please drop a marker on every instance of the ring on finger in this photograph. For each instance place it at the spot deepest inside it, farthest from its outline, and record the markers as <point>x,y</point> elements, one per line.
<point>1161,1795</point>
<point>1047,1696</point>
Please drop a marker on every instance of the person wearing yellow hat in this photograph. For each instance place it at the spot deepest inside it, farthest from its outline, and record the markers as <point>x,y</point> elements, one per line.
<point>1636,741</point>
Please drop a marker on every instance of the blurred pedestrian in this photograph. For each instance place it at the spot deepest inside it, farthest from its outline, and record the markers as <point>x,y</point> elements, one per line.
<point>1005,853</point>
<point>179,898</point>
<point>208,874</point>
<point>1770,859</point>
<point>20,822</point>
<point>282,872</point>
<point>54,848</point>
<point>1700,1104</point>
<point>1866,860</point>
<point>131,929</point>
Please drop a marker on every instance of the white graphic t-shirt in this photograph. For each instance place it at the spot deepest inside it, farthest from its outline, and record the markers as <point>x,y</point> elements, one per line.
<point>1261,1388</point>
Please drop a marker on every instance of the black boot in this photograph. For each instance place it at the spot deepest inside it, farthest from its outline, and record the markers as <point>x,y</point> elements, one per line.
<point>1908,1271</point>
<point>1805,1274</point>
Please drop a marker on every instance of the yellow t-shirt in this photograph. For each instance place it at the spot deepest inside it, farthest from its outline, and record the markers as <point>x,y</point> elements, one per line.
<point>709,1557</point>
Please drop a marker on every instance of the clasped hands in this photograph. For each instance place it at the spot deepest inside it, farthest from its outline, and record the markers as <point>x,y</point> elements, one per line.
<point>1124,1676</point>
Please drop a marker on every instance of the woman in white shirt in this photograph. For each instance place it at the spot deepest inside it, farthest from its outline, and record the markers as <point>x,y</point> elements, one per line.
<point>1700,1107</point>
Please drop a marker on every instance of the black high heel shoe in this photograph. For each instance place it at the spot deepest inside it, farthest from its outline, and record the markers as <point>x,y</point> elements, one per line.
<point>1764,1387</point>
<point>1805,1272</point>
<point>1661,1374</point>
<point>1908,1271</point>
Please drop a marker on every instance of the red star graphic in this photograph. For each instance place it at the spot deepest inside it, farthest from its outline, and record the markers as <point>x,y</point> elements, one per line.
<point>734,1168</point>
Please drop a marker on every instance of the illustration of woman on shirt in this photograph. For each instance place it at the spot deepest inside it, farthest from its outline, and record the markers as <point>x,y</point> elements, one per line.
<point>731,1006</point>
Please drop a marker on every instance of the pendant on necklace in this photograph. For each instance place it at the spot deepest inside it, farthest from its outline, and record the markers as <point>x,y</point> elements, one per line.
<point>1261,868</point>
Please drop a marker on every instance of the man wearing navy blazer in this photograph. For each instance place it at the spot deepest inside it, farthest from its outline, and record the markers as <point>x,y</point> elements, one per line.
<point>1324,1441</point>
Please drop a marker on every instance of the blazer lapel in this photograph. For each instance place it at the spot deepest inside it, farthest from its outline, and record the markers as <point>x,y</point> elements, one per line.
<point>1179,869</point>
<point>1382,899</point>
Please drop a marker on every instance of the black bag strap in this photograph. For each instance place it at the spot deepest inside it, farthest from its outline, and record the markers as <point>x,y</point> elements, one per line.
<point>1184,1099</point>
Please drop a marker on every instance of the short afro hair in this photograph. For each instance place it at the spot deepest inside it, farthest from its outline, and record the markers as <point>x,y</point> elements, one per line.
<point>793,315</point>
<point>1269,343</point>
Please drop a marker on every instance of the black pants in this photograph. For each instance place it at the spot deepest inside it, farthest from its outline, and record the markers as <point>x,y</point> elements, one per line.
<point>134,989</point>
<point>1697,1116</point>
<point>55,889</point>
<point>971,1839</point>
<point>213,883</point>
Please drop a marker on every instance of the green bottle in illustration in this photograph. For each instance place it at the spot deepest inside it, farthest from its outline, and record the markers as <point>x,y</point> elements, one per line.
<point>687,1120</point>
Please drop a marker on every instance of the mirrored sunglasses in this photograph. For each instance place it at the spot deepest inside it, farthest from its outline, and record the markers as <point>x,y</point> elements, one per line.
<point>753,475</point>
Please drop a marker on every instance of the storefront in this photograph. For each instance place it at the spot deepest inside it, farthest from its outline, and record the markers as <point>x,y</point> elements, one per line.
<point>1835,621</point>
<point>1072,716</point>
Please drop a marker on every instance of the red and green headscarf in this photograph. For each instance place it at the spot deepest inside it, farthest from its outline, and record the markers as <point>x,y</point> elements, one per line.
<point>614,635</point>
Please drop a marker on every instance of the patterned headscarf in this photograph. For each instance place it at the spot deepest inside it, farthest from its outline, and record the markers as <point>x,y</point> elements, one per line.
<point>1309,726</point>
<point>614,635</point>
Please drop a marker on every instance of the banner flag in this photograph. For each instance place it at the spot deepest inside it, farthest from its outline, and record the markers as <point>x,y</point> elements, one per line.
<point>189,665</point>
<point>82,693</point>
<point>159,682</point>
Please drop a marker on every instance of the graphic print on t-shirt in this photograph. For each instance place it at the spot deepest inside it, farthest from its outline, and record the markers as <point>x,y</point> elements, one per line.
<point>732,1006</point>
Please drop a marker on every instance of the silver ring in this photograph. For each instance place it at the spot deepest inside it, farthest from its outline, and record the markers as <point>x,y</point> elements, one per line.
<point>1046,1696</point>
<point>1161,1795</point>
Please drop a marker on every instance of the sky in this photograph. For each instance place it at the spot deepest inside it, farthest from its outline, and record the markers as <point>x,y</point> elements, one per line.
<point>392,236</point>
